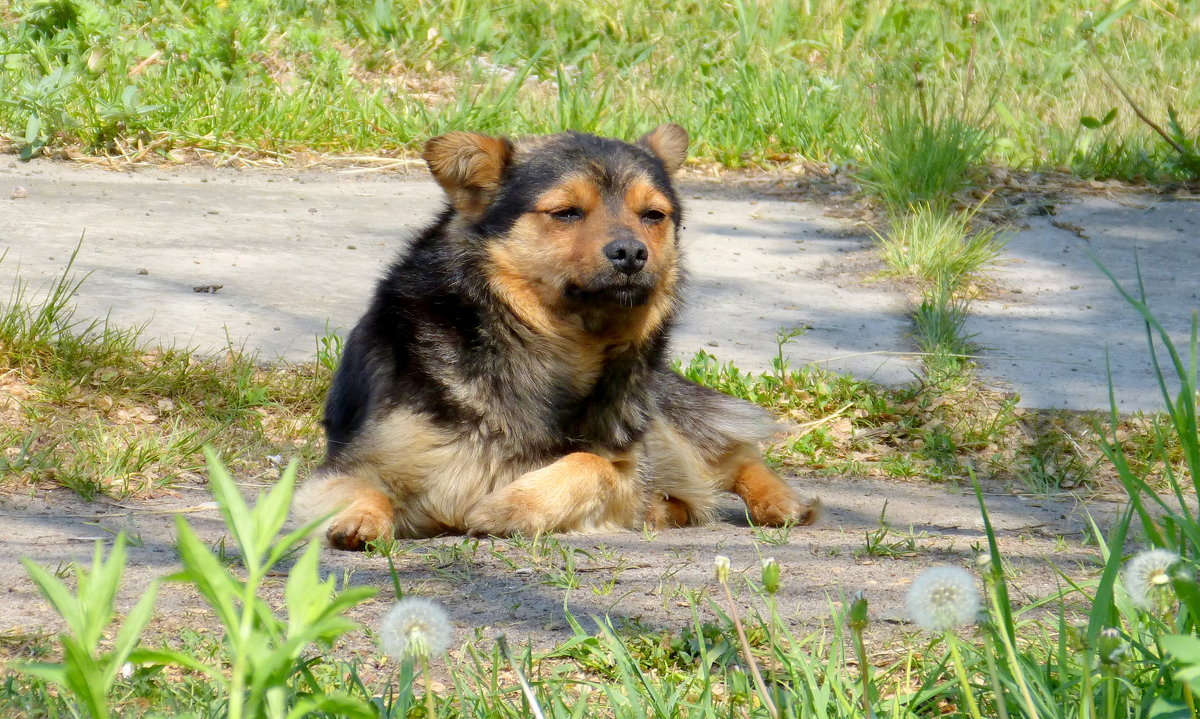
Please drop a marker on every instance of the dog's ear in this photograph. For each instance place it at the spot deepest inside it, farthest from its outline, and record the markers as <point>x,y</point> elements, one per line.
<point>669,143</point>
<point>468,166</point>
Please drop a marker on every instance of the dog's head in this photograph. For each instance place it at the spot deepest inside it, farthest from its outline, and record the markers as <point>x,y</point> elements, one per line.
<point>578,230</point>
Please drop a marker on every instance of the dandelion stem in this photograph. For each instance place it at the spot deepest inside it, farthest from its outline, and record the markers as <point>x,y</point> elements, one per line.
<point>1110,691</point>
<point>429,698</point>
<point>1011,653</point>
<point>1087,708</point>
<point>961,671</point>
<point>989,652</point>
<point>758,680</point>
<point>864,668</point>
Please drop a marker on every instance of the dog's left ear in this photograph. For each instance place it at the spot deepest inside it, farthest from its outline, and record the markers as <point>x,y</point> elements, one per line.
<point>669,143</point>
<point>468,166</point>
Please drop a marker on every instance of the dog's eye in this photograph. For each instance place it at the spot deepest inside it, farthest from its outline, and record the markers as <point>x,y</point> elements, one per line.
<point>567,214</point>
<point>653,216</point>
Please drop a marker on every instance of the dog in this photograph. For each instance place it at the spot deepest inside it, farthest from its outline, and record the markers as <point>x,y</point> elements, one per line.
<point>511,373</point>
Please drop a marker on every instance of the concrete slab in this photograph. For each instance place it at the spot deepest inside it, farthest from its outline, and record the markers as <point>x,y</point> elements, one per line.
<point>296,253</point>
<point>1047,331</point>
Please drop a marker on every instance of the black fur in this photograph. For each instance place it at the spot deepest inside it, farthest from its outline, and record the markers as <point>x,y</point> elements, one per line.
<point>435,325</point>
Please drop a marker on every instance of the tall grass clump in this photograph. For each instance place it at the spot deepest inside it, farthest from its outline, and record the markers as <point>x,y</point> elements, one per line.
<point>920,157</point>
<point>935,246</point>
<point>915,166</point>
<point>940,322</point>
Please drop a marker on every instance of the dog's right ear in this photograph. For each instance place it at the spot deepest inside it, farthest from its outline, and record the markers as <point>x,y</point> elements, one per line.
<point>468,166</point>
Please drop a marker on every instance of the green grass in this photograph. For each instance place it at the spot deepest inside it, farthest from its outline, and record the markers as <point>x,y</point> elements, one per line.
<point>937,247</point>
<point>755,81</point>
<point>89,407</point>
<point>920,158</point>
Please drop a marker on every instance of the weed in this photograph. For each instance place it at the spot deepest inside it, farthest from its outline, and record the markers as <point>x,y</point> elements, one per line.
<point>262,651</point>
<point>773,536</point>
<point>87,673</point>
<point>885,541</point>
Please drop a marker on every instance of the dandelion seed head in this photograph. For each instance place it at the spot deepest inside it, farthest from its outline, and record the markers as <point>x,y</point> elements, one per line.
<point>942,598</point>
<point>1148,579</point>
<point>415,627</point>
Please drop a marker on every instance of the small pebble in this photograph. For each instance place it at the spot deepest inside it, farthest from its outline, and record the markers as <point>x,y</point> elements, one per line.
<point>19,193</point>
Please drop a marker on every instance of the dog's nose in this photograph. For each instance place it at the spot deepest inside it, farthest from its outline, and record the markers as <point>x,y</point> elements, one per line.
<point>628,256</point>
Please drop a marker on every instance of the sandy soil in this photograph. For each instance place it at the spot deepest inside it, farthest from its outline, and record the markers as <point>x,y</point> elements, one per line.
<point>498,585</point>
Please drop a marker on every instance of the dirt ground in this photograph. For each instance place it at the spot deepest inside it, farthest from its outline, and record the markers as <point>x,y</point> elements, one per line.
<point>493,585</point>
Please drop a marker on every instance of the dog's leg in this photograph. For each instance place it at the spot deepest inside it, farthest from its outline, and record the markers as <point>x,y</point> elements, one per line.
<point>769,499</point>
<point>579,492</point>
<point>366,513</point>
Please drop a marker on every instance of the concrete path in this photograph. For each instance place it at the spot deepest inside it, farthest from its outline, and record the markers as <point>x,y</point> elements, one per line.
<point>1046,332</point>
<point>296,254</point>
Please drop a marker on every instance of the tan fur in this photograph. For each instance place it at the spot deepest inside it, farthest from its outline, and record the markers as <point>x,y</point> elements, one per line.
<point>769,500</point>
<point>670,143</point>
<point>468,166</point>
<point>431,486</point>
<point>581,492</point>
<point>530,267</point>
<point>665,512</point>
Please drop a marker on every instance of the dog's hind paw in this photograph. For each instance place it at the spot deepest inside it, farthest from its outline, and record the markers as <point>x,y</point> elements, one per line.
<point>357,525</point>
<point>664,512</point>
<point>783,511</point>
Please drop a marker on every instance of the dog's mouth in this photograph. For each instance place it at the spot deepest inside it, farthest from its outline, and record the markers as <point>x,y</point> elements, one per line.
<point>611,291</point>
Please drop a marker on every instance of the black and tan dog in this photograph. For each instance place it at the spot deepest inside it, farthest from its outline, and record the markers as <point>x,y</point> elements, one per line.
<point>511,376</point>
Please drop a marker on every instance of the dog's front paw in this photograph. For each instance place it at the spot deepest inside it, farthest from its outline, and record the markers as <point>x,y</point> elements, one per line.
<point>502,514</point>
<point>358,524</point>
